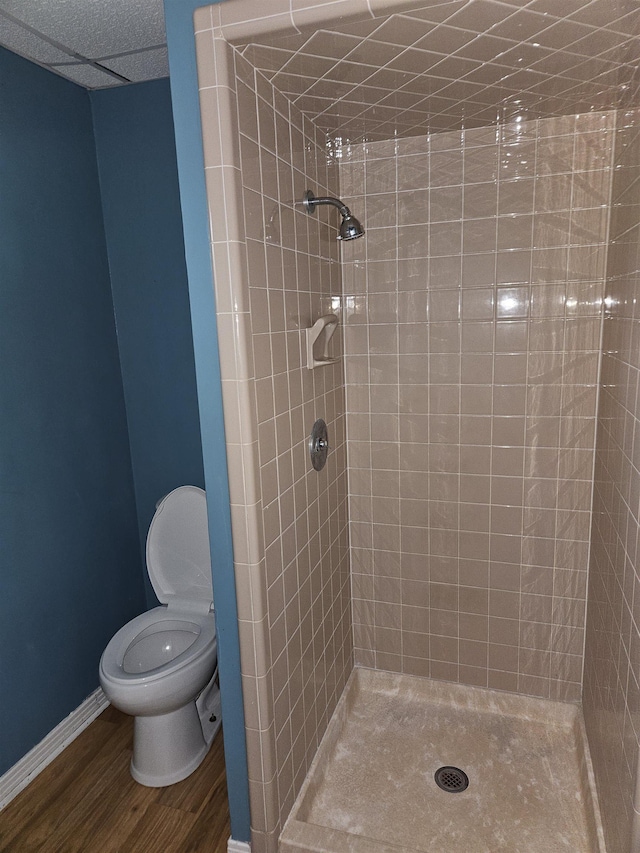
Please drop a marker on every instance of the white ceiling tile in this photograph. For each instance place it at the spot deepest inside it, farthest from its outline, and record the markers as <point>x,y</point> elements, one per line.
<point>137,67</point>
<point>26,43</point>
<point>86,75</point>
<point>94,29</point>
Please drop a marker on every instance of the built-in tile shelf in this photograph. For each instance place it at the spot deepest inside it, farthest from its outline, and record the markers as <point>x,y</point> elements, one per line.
<point>318,337</point>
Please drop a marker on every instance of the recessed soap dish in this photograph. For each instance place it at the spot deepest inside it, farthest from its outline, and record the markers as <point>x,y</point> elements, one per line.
<point>318,337</point>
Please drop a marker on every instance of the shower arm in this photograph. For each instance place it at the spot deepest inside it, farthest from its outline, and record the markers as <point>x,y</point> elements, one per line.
<point>310,202</point>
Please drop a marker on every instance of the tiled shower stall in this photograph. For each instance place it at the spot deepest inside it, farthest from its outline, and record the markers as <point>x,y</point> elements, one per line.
<point>488,335</point>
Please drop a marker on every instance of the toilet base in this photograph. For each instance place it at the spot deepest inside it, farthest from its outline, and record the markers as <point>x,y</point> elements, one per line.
<point>169,747</point>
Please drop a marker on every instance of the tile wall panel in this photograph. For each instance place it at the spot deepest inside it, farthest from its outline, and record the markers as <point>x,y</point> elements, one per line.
<point>276,270</point>
<point>612,655</point>
<point>294,277</point>
<point>472,339</point>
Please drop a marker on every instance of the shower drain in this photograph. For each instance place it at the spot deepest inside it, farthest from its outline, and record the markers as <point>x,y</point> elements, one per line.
<point>452,779</point>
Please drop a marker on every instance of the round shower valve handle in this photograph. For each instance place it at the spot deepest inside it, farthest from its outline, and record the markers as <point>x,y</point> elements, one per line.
<point>319,445</point>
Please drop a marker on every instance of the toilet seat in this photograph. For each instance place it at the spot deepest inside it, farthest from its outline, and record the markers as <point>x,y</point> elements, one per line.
<point>158,620</point>
<point>177,551</point>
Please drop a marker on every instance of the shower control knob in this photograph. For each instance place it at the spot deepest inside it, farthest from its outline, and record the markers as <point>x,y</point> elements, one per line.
<point>319,445</point>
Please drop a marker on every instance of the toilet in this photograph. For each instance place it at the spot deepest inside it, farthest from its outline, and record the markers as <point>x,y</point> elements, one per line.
<point>162,666</point>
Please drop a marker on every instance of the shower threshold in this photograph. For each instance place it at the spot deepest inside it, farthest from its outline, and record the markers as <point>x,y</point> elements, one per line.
<point>371,786</point>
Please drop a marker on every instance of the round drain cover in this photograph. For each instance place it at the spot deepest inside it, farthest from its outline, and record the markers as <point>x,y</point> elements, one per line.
<point>452,779</point>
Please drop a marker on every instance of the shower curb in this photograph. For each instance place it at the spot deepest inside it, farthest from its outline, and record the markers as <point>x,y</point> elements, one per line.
<point>34,762</point>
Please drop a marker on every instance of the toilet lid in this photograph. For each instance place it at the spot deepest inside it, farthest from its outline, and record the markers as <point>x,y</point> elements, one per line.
<point>178,556</point>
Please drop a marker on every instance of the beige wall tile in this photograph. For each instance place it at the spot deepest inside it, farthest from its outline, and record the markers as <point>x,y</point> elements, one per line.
<point>611,653</point>
<point>493,392</point>
<point>289,523</point>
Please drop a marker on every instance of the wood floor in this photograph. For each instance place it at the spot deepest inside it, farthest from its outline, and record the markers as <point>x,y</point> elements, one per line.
<point>85,801</point>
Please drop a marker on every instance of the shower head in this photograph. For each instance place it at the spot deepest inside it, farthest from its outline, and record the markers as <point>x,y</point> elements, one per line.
<point>349,229</point>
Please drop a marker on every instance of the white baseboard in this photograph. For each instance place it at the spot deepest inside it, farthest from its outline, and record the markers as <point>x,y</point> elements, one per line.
<point>238,846</point>
<point>18,777</point>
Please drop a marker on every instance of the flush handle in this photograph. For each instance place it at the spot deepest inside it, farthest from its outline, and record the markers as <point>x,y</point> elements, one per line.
<point>319,445</point>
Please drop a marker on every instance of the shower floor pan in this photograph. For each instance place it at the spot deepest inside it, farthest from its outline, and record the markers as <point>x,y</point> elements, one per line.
<point>371,786</point>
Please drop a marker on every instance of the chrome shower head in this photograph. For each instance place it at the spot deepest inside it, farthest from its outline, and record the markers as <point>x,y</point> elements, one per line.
<point>349,229</point>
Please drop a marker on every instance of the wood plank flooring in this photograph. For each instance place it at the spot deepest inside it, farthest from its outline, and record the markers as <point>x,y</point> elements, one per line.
<point>85,801</point>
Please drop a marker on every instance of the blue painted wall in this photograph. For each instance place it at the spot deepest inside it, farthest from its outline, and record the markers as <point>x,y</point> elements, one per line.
<point>186,107</point>
<point>141,206</point>
<point>70,570</point>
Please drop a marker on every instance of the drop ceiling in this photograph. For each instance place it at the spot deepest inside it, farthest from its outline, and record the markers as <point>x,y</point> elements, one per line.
<point>95,44</point>
<point>440,66</point>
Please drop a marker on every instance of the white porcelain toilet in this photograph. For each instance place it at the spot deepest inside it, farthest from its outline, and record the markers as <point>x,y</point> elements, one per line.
<point>161,666</point>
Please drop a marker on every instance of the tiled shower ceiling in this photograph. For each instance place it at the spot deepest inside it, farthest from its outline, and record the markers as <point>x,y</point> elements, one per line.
<point>96,44</point>
<point>440,66</point>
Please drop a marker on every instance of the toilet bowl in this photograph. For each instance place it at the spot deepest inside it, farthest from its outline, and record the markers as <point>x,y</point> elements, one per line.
<point>161,666</point>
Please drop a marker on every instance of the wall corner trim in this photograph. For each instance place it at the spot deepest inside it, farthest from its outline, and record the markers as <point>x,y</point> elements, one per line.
<point>238,846</point>
<point>34,762</point>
